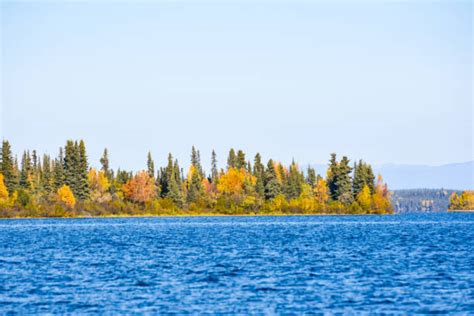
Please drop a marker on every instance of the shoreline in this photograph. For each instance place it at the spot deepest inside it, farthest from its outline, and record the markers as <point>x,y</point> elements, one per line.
<point>189,215</point>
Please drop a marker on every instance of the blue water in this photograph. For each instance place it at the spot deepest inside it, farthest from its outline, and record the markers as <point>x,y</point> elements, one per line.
<point>415,263</point>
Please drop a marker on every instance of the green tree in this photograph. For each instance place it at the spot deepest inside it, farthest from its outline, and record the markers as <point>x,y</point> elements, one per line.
<point>105,167</point>
<point>259,173</point>
<point>83,169</point>
<point>47,175</point>
<point>272,186</point>
<point>311,178</point>
<point>150,165</point>
<point>232,159</point>
<point>344,182</point>
<point>25,173</point>
<point>214,171</point>
<point>294,182</point>
<point>240,161</point>
<point>7,167</point>
<point>58,170</point>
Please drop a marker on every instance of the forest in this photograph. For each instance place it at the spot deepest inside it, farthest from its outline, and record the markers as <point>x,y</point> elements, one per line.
<point>421,200</point>
<point>67,186</point>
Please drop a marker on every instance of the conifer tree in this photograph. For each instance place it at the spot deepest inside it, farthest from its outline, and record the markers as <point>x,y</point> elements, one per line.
<point>58,170</point>
<point>232,159</point>
<point>150,165</point>
<point>70,166</point>
<point>7,167</point>
<point>272,186</point>
<point>195,187</point>
<point>83,169</point>
<point>344,182</point>
<point>25,173</point>
<point>311,178</point>
<point>240,160</point>
<point>259,173</point>
<point>295,181</point>
<point>105,167</point>
<point>214,171</point>
<point>332,175</point>
<point>47,176</point>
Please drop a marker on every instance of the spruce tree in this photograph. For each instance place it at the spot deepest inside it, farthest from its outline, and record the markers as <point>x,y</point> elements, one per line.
<point>58,170</point>
<point>70,166</point>
<point>240,161</point>
<point>195,187</point>
<point>232,159</point>
<point>25,173</point>
<point>7,167</point>
<point>344,182</point>
<point>214,171</point>
<point>259,173</point>
<point>272,186</point>
<point>332,175</point>
<point>294,182</point>
<point>46,175</point>
<point>105,167</point>
<point>311,178</point>
<point>83,168</point>
<point>150,166</point>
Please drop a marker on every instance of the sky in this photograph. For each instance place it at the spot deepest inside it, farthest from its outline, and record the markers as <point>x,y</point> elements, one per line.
<point>388,82</point>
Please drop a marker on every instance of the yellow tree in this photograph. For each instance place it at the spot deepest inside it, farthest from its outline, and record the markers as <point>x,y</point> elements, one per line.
<point>381,197</point>
<point>321,192</point>
<point>3,190</point>
<point>232,182</point>
<point>99,185</point>
<point>364,198</point>
<point>306,199</point>
<point>66,196</point>
<point>140,189</point>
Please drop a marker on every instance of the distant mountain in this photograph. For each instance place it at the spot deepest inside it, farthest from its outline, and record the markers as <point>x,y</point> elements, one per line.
<point>455,176</point>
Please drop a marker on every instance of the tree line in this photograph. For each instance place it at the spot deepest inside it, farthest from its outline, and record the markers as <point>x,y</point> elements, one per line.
<point>66,185</point>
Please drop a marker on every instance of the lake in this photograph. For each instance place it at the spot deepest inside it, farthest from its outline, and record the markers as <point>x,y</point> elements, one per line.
<point>413,263</point>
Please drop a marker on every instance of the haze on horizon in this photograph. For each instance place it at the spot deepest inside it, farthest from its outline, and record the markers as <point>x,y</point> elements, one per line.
<point>386,82</point>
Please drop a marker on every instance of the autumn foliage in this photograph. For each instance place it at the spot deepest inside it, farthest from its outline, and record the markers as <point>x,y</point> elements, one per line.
<point>67,185</point>
<point>66,196</point>
<point>140,189</point>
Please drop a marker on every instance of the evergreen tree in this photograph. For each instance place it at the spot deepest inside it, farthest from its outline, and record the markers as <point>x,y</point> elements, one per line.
<point>196,161</point>
<point>249,167</point>
<point>344,182</point>
<point>105,167</point>
<point>195,187</point>
<point>259,173</point>
<point>71,162</point>
<point>240,160</point>
<point>332,175</point>
<point>58,170</point>
<point>7,167</point>
<point>370,179</point>
<point>363,175</point>
<point>272,186</point>
<point>150,166</point>
<point>311,178</point>
<point>47,176</point>
<point>83,168</point>
<point>214,171</point>
<point>294,182</point>
<point>25,173</point>
<point>232,159</point>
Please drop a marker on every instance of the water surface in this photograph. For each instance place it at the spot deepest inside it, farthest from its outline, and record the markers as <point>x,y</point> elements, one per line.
<point>414,263</point>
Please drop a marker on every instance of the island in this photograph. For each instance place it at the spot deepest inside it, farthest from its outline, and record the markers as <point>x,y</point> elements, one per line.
<point>67,186</point>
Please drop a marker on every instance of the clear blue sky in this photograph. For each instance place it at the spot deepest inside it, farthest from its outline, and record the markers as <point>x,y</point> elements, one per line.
<point>389,83</point>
